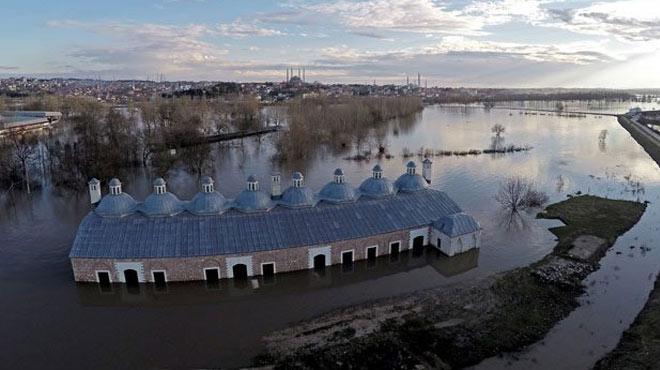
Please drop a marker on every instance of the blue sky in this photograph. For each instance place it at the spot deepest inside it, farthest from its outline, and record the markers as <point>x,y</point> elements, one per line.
<point>508,43</point>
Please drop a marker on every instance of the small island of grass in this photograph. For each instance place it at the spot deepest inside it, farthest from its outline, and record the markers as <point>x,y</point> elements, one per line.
<point>461,325</point>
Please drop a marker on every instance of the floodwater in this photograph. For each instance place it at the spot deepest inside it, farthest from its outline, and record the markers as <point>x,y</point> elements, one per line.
<point>47,319</point>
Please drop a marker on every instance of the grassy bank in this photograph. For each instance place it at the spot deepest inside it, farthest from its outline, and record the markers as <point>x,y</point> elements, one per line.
<point>639,347</point>
<point>458,326</point>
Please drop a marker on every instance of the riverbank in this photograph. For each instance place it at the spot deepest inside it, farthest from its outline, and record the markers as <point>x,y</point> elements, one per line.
<point>460,325</point>
<point>639,347</point>
<point>644,137</point>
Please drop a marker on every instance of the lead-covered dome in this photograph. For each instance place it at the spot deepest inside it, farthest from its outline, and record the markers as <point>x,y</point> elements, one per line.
<point>338,191</point>
<point>252,199</point>
<point>117,203</point>
<point>377,186</point>
<point>410,181</point>
<point>208,201</point>
<point>297,195</point>
<point>161,202</point>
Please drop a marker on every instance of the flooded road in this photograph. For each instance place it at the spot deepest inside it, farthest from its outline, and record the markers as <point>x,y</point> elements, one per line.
<point>46,317</point>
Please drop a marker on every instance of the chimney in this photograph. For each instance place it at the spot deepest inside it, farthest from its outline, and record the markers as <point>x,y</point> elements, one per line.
<point>276,185</point>
<point>94,191</point>
<point>427,169</point>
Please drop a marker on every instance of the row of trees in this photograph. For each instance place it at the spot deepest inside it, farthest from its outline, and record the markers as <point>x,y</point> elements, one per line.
<point>345,122</point>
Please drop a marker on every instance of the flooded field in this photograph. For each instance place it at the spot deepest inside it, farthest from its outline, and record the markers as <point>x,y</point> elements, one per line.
<point>47,317</point>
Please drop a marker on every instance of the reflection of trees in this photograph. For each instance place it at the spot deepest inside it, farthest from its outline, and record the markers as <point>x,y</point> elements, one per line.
<point>602,136</point>
<point>512,221</point>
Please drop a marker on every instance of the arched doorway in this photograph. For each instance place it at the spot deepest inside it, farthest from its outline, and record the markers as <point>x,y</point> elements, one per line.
<point>131,277</point>
<point>418,246</point>
<point>319,262</point>
<point>240,271</point>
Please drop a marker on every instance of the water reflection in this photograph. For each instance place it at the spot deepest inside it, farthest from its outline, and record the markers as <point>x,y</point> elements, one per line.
<point>292,284</point>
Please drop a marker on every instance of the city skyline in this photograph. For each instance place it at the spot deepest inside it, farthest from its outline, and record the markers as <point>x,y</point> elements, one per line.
<point>501,43</point>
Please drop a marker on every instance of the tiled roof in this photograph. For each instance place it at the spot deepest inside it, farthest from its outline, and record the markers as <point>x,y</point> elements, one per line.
<point>186,235</point>
<point>457,224</point>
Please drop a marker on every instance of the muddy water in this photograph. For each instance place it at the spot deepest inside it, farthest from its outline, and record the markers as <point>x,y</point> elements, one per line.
<point>46,318</point>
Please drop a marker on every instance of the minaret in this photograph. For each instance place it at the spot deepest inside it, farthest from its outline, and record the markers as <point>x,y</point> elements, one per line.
<point>287,74</point>
<point>419,80</point>
<point>275,185</point>
<point>427,169</point>
<point>94,190</point>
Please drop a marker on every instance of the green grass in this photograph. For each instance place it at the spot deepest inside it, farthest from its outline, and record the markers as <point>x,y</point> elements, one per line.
<point>590,215</point>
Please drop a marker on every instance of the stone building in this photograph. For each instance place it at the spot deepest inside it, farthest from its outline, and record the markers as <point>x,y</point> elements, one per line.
<point>211,237</point>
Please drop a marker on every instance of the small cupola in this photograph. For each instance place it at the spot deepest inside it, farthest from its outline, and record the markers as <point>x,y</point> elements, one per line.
<point>377,172</point>
<point>339,176</point>
<point>159,186</point>
<point>207,184</point>
<point>252,183</point>
<point>297,179</point>
<point>411,167</point>
<point>115,186</point>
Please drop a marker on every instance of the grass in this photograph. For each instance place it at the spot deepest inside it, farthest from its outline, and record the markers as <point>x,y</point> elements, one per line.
<point>590,215</point>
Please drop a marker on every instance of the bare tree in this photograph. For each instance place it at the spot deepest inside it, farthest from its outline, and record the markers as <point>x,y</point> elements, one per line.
<point>517,193</point>
<point>498,129</point>
<point>23,152</point>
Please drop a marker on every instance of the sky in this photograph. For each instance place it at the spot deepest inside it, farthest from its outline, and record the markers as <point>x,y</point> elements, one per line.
<point>472,43</point>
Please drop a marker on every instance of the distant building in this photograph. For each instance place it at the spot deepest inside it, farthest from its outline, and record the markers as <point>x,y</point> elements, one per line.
<point>210,237</point>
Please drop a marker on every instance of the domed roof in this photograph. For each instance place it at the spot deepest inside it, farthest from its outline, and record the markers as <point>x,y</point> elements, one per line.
<point>410,182</point>
<point>207,203</point>
<point>377,168</point>
<point>252,200</point>
<point>339,172</point>
<point>377,187</point>
<point>165,204</point>
<point>116,205</point>
<point>297,197</point>
<point>411,164</point>
<point>206,180</point>
<point>297,176</point>
<point>159,182</point>
<point>336,192</point>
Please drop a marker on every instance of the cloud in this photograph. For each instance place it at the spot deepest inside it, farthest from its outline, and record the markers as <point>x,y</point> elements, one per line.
<point>8,68</point>
<point>369,17</point>
<point>240,28</point>
<point>144,47</point>
<point>628,20</point>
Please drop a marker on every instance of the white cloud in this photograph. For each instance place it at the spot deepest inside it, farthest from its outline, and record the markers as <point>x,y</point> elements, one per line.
<point>627,20</point>
<point>240,28</point>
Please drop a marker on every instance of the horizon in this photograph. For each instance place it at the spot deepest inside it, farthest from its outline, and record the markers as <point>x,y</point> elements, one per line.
<point>509,44</point>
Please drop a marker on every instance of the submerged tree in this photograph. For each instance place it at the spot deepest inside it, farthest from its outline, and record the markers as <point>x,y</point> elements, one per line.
<point>517,193</point>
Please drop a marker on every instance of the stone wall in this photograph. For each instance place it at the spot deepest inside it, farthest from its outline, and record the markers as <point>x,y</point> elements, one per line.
<point>192,268</point>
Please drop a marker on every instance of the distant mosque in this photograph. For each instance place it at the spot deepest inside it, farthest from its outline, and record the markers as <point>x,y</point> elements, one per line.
<point>165,239</point>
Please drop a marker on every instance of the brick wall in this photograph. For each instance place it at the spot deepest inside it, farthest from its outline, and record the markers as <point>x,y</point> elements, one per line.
<point>192,268</point>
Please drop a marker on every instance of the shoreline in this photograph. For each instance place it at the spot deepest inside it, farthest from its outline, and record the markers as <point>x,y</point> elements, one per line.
<point>463,324</point>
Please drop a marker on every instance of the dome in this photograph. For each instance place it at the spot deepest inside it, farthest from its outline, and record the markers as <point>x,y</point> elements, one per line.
<point>339,172</point>
<point>252,200</point>
<point>206,180</point>
<point>114,182</point>
<point>297,176</point>
<point>297,197</point>
<point>207,203</point>
<point>165,204</point>
<point>377,187</point>
<point>159,182</point>
<point>411,164</point>
<point>116,205</point>
<point>337,192</point>
<point>377,168</point>
<point>410,182</point>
